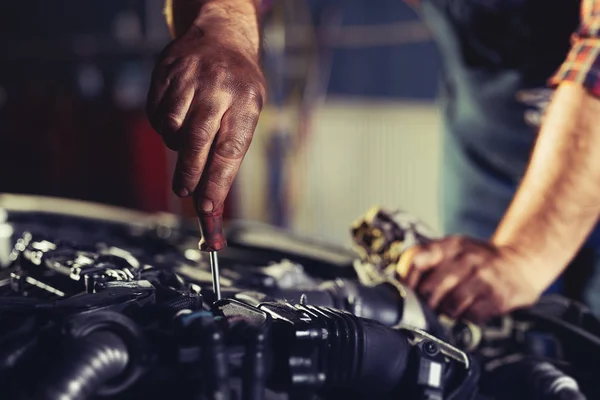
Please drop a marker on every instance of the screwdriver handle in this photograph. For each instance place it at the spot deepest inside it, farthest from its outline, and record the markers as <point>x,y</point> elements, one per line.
<point>211,229</point>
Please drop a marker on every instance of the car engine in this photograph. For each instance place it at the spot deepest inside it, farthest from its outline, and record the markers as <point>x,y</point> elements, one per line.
<point>99,302</point>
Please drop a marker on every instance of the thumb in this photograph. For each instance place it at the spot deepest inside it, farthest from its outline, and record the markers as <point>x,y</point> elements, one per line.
<point>417,260</point>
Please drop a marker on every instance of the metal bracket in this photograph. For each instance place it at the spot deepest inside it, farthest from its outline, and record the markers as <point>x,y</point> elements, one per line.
<point>417,336</point>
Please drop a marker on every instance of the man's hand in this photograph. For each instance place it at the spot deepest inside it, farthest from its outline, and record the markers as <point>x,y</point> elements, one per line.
<point>463,277</point>
<point>552,213</point>
<point>206,95</point>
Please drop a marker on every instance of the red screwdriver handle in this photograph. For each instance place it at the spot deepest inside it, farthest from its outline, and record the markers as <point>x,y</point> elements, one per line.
<point>211,229</point>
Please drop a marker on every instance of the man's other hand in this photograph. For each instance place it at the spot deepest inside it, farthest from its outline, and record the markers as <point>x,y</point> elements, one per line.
<point>476,280</point>
<point>205,99</point>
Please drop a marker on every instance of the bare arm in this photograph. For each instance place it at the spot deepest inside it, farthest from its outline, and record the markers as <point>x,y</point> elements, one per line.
<point>554,210</point>
<point>558,202</point>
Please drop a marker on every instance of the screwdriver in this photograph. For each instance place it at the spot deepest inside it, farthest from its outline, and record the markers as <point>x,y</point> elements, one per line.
<point>212,240</point>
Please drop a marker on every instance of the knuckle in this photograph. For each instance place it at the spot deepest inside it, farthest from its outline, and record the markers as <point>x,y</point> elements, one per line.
<point>217,71</point>
<point>481,275</point>
<point>233,148</point>
<point>252,94</point>
<point>449,244</point>
<point>170,123</point>
<point>188,172</point>
<point>163,74</point>
<point>221,177</point>
<point>460,241</point>
<point>469,258</point>
<point>199,139</point>
<point>209,106</point>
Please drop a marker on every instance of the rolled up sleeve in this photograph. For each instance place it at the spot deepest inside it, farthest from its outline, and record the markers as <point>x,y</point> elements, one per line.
<point>582,65</point>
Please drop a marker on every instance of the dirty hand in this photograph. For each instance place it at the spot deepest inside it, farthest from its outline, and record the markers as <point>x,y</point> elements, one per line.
<point>467,278</point>
<point>205,99</point>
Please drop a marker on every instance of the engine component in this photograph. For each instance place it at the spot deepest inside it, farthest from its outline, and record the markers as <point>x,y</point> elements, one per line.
<point>118,306</point>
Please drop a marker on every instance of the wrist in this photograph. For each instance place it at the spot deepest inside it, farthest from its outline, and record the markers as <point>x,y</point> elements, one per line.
<point>231,23</point>
<point>538,268</point>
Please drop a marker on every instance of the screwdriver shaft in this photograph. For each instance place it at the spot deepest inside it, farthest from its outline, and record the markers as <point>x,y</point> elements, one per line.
<point>214,269</point>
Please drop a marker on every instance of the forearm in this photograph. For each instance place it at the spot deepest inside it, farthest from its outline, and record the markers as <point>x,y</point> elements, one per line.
<point>233,21</point>
<point>558,202</point>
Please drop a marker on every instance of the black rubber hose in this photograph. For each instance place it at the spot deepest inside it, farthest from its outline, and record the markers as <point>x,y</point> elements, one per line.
<point>12,353</point>
<point>570,395</point>
<point>550,383</point>
<point>85,366</point>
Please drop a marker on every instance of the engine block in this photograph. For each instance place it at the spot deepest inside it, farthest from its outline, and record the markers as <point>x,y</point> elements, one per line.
<point>97,302</point>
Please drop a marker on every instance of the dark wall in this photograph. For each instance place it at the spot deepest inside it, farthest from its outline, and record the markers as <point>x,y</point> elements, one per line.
<point>71,100</point>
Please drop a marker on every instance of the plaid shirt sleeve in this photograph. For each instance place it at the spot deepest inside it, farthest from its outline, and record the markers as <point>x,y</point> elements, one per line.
<point>582,65</point>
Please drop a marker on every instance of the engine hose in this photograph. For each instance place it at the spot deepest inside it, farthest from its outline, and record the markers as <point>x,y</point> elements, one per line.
<point>570,395</point>
<point>86,365</point>
<point>550,383</point>
<point>12,353</point>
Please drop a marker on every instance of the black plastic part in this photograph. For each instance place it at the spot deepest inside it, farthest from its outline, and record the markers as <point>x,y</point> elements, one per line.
<point>215,363</point>
<point>249,327</point>
<point>333,349</point>
<point>254,366</point>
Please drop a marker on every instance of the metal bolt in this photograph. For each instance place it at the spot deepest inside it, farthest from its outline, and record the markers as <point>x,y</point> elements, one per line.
<point>430,348</point>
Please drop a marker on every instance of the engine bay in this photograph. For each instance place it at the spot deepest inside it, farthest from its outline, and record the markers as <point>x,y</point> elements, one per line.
<point>104,303</point>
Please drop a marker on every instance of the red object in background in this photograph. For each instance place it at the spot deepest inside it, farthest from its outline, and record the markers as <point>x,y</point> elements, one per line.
<point>149,173</point>
<point>85,150</point>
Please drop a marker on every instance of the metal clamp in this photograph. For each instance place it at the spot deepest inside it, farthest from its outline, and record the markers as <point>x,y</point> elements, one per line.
<point>416,336</point>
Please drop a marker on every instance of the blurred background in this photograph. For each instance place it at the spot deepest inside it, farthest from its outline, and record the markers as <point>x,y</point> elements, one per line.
<point>351,122</point>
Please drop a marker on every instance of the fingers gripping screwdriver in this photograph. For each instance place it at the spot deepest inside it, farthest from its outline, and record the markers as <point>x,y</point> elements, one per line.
<point>212,240</point>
